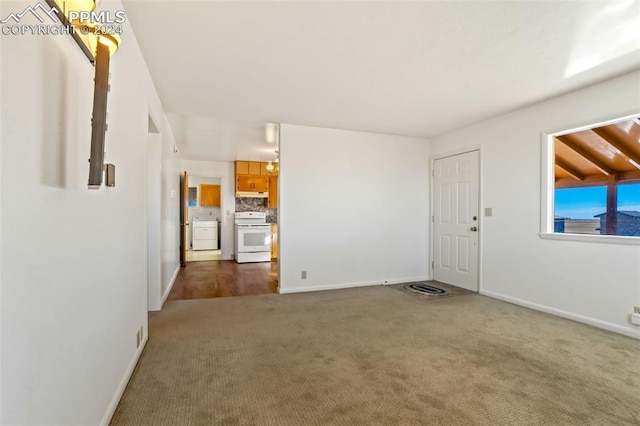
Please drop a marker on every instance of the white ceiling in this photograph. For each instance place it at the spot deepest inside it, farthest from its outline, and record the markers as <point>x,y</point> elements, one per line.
<point>213,139</point>
<point>407,68</point>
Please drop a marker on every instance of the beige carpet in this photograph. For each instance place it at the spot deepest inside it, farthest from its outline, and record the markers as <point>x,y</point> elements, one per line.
<point>378,356</point>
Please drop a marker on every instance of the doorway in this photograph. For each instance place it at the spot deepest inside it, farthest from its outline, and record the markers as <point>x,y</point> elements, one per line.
<point>224,277</point>
<point>455,220</point>
<point>204,218</point>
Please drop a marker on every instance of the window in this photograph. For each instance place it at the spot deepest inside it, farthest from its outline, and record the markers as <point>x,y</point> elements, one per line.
<point>193,197</point>
<point>593,183</point>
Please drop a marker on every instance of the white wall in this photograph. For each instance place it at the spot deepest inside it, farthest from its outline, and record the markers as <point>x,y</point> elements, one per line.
<point>591,282</point>
<point>353,208</point>
<point>170,209</point>
<point>153,209</point>
<point>74,267</point>
<point>225,171</point>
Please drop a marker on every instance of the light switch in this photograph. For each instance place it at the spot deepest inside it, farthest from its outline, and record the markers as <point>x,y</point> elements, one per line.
<point>488,211</point>
<point>110,175</point>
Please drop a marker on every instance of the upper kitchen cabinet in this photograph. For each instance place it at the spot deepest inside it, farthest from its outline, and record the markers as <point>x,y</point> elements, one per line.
<point>242,167</point>
<point>261,184</point>
<point>253,168</point>
<point>209,195</point>
<point>250,183</point>
<point>252,177</point>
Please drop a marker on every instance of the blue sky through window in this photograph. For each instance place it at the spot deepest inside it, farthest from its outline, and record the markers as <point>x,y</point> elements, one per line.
<point>585,203</point>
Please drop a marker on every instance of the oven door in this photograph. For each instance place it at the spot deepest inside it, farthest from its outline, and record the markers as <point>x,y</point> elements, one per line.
<point>253,238</point>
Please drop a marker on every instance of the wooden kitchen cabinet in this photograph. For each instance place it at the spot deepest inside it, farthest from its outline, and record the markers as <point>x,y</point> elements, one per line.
<point>274,240</point>
<point>260,184</point>
<point>242,167</point>
<point>250,183</point>
<point>273,192</point>
<point>254,168</point>
<point>244,183</point>
<point>253,176</point>
<point>209,195</point>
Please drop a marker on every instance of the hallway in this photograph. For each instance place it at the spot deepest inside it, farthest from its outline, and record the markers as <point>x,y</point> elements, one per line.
<point>204,280</point>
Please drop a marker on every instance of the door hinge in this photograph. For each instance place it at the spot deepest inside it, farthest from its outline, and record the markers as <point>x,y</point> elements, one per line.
<point>432,264</point>
<point>433,172</point>
<point>433,218</point>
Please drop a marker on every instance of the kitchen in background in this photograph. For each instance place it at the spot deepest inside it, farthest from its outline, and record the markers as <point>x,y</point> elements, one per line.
<point>257,192</point>
<point>204,218</point>
<point>257,205</point>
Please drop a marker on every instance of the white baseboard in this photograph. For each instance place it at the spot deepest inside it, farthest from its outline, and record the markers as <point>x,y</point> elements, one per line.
<point>348,285</point>
<point>170,286</point>
<point>565,314</point>
<point>111,409</point>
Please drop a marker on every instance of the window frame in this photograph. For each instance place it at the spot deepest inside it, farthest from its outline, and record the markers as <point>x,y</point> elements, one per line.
<point>547,180</point>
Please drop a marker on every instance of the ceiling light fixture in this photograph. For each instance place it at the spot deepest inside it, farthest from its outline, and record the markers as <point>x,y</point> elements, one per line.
<point>273,166</point>
<point>271,132</point>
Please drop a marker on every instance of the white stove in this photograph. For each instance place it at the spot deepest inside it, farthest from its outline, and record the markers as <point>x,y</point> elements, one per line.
<point>253,237</point>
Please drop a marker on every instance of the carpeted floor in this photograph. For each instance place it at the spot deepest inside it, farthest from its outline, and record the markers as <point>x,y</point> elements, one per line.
<point>374,356</point>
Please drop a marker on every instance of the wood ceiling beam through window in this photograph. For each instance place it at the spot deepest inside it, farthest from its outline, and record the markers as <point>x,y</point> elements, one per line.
<point>619,145</point>
<point>603,156</point>
<point>600,180</point>
<point>598,164</point>
<point>569,170</point>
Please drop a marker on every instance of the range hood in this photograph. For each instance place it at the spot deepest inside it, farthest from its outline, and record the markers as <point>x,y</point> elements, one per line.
<point>244,194</point>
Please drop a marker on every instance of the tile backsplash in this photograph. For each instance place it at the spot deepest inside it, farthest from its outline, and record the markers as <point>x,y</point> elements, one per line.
<point>257,205</point>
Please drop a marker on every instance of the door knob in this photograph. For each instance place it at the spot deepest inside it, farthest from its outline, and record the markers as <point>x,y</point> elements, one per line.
<point>474,228</point>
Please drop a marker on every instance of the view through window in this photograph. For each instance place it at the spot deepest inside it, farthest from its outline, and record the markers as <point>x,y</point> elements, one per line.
<point>597,180</point>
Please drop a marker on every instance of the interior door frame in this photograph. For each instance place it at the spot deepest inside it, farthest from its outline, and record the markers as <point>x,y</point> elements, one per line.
<point>432,160</point>
<point>184,217</point>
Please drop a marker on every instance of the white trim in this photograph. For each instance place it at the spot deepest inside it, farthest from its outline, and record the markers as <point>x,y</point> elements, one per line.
<point>547,183</point>
<point>590,124</point>
<point>170,286</point>
<point>350,285</point>
<point>111,409</point>
<point>565,314</point>
<point>591,238</point>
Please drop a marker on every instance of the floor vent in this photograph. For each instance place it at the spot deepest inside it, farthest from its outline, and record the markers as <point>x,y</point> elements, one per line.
<point>427,289</point>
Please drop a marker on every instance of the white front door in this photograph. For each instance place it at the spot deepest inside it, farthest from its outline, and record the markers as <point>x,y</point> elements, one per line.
<point>455,221</point>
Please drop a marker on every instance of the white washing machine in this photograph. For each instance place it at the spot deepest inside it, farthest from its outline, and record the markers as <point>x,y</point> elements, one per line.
<point>204,235</point>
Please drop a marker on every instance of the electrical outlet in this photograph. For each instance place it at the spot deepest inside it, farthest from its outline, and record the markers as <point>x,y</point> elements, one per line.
<point>303,275</point>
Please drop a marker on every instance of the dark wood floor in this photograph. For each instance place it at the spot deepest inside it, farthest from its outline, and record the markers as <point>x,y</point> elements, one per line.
<point>203,280</point>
